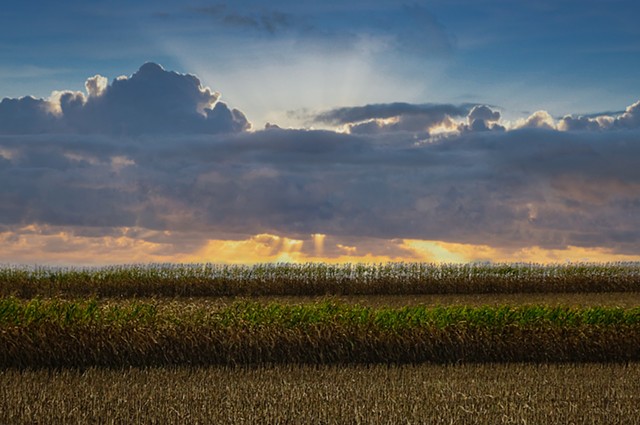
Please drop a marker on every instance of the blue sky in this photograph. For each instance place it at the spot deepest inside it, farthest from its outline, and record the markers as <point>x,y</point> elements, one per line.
<point>253,131</point>
<point>272,57</point>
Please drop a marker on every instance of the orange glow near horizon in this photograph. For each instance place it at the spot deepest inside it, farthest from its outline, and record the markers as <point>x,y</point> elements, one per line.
<point>464,253</point>
<point>34,246</point>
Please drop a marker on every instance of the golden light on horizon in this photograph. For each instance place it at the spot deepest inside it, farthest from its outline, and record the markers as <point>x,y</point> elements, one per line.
<point>57,246</point>
<point>289,251</point>
<point>439,251</point>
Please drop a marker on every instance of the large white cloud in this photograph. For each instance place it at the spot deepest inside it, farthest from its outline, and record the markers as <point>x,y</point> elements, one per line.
<point>151,101</point>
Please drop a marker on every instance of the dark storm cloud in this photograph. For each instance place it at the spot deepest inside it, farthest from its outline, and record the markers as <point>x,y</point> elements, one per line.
<point>151,101</point>
<point>519,187</point>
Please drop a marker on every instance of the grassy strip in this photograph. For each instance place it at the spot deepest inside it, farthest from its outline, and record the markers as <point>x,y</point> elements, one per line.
<point>317,279</point>
<point>58,333</point>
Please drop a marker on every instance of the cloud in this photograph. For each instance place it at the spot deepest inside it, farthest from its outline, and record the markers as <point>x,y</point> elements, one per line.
<point>392,28</point>
<point>528,185</point>
<point>421,119</point>
<point>96,85</point>
<point>628,119</point>
<point>580,123</point>
<point>151,101</point>
<point>524,187</point>
<point>393,117</point>
<point>539,119</point>
<point>482,118</point>
<point>484,113</point>
<point>349,115</point>
<point>26,115</point>
<point>271,21</point>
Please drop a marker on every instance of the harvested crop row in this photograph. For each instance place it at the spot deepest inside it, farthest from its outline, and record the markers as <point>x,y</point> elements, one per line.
<point>347,394</point>
<point>191,280</point>
<point>66,334</point>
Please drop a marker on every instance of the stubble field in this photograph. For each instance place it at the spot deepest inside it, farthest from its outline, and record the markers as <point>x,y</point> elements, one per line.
<point>347,394</point>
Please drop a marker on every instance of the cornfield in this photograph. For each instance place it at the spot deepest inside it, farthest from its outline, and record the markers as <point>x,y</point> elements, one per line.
<point>351,343</point>
<point>59,333</point>
<point>197,280</point>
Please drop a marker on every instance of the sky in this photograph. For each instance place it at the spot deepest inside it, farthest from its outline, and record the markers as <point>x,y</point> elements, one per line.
<point>336,131</point>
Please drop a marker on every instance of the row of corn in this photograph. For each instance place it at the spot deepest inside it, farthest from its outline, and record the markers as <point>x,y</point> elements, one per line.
<point>62,333</point>
<point>191,280</point>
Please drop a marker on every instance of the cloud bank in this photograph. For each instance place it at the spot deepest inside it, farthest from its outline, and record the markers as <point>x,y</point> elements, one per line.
<point>160,153</point>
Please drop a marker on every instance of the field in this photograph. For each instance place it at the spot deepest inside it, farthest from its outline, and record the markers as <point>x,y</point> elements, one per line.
<point>290,394</point>
<point>202,280</point>
<point>61,333</point>
<point>197,280</point>
<point>389,343</point>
